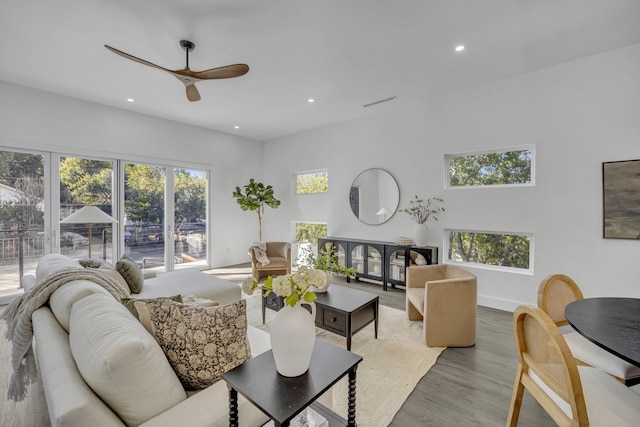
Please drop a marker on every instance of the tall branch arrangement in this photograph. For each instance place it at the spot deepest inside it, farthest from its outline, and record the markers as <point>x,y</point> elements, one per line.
<point>421,212</point>
<point>254,197</point>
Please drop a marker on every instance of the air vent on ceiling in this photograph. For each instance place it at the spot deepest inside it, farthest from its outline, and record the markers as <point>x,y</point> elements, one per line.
<point>380,101</point>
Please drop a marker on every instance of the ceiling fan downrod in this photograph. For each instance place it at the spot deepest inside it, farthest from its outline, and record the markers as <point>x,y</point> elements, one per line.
<point>187,46</point>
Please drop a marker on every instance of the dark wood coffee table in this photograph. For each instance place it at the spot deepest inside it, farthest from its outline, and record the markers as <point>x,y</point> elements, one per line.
<point>341,310</point>
<point>283,398</point>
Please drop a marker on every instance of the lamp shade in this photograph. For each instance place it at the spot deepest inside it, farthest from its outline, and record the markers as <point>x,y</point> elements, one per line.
<point>88,215</point>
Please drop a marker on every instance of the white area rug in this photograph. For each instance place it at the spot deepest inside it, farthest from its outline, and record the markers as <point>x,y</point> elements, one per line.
<point>391,367</point>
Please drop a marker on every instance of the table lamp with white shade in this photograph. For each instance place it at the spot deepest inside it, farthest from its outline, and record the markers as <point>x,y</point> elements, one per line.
<point>384,212</point>
<point>89,215</point>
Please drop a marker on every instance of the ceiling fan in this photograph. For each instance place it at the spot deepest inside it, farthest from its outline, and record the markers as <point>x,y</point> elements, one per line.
<point>188,77</point>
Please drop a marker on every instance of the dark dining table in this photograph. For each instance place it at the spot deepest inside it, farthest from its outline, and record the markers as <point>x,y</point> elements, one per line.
<point>611,323</point>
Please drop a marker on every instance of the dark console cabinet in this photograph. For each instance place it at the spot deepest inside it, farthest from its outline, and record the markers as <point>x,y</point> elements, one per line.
<point>384,262</point>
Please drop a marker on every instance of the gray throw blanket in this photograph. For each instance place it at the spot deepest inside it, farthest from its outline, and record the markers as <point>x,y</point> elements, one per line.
<point>20,328</point>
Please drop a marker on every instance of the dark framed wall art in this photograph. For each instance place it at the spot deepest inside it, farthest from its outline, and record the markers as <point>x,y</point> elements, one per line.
<point>621,199</point>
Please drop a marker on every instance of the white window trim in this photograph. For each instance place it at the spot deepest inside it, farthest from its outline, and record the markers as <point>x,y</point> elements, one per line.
<point>294,182</point>
<point>530,147</point>
<point>447,260</point>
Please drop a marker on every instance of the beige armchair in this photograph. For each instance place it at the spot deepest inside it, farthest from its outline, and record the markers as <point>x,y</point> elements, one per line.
<point>445,298</point>
<point>279,254</point>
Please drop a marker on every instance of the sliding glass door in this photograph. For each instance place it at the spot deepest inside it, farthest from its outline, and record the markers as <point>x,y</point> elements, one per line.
<point>22,217</point>
<point>144,214</point>
<point>161,213</point>
<point>86,182</point>
<point>190,217</point>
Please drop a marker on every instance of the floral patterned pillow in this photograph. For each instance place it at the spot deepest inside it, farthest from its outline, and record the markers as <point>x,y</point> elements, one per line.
<point>201,343</point>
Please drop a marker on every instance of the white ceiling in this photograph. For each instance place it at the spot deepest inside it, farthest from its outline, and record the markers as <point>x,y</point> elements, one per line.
<point>342,53</point>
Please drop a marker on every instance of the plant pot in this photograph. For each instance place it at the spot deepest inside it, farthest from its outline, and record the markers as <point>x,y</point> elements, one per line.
<point>421,234</point>
<point>293,335</point>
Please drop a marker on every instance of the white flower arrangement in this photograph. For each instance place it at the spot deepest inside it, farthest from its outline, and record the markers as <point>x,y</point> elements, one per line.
<point>293,288</point>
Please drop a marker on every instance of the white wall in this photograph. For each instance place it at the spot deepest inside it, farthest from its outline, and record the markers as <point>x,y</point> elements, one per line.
<point>578,115</point>
<point>44,121</point>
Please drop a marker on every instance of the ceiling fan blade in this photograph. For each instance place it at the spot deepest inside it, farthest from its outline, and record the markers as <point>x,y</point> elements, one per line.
<point>226,72</point>
<point>192,93</point>
<point>133,58</point>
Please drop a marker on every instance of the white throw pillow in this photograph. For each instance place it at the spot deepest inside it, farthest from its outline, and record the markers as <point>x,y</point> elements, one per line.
<point>52,263</point>
<point>120,361</point>
<point>66,295</point>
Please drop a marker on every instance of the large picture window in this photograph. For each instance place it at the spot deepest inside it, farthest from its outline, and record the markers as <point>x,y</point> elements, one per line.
<point>500,167</point>
<point>494,250</point>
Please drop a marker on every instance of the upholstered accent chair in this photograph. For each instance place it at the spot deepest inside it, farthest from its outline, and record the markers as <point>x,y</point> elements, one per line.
<point>444,297</point>
<point>572,395</point>
<point>279,254</point>
<point>554,293</point>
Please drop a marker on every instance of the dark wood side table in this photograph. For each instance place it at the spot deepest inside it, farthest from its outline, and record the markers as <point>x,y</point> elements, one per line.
<point>282,398</point>
<point>341,310</point>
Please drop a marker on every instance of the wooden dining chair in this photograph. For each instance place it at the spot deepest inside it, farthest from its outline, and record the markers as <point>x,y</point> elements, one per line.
<point>572,395</point>
<point>554,293</point>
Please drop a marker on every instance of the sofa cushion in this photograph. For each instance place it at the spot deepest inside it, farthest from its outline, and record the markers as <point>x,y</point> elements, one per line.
<point>191,282</point>
<point>113,273</point>
<point>129,304</point>
<point>131,273</point>
<point>51,263</point>
<point>66,295</point>
<point>200,342</point>
<point>120,361</point>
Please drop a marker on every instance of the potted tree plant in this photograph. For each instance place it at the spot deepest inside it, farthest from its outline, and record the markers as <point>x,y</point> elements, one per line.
<point>254,197</point>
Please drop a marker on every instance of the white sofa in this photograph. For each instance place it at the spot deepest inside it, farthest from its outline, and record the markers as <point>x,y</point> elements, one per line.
<point>152,392</point>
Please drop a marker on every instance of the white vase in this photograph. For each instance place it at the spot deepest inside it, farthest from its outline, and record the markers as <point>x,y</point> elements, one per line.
<point>421,234</point>
<point>293,334</point>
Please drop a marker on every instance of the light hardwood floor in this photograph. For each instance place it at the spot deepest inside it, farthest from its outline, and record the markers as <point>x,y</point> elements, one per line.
<point>467,386</point>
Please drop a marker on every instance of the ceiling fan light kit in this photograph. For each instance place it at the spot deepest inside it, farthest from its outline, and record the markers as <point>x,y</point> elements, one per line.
<point>188,77</point>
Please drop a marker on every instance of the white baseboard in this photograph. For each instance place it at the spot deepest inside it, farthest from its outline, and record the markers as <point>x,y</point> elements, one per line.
<point>224,262</point>
<point>499,303</point>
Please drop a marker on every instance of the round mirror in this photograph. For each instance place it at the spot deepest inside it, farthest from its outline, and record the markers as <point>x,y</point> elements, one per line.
<point>374,196</point>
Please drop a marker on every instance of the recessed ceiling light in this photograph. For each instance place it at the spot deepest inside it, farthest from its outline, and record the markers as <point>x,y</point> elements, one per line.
<point>311,100</point>
<point>236,127</point>
<point>131,100</point>
<point>460,48</point>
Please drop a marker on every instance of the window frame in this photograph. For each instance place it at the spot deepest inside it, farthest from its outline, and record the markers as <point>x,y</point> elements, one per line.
<point>308,172</point>
<point>448,157</point>
<point>447,260</point>
<point>296,245</point>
